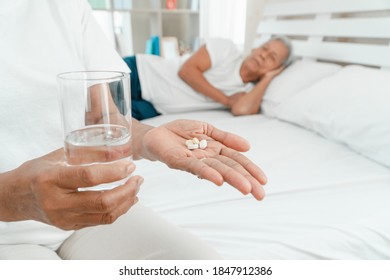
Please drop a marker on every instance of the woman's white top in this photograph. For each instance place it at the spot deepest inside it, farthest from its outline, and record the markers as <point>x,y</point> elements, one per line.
<point>162,86</point>
<point>38,40</point>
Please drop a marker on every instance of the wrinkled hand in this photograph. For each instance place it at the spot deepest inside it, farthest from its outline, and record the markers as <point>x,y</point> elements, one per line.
<point>234,98</point>
<point>273,73</point>
<point>46,191</point>
<point>220,161</point>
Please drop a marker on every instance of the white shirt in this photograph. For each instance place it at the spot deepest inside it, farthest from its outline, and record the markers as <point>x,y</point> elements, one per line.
<point>162,86</point>
<point>38,40</point>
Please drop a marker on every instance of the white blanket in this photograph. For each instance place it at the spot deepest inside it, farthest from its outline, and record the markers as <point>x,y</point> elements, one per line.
<point>323,200</point>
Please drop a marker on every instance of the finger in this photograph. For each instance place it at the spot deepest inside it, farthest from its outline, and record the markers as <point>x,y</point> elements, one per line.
<point>109,200</point>
<point>229,174</point>
<point>228,139</point>
<point>200,169</point>
<point>83,209</point>
<point>252,168</point>
<point>73,177</point>
<point>83,220</point>
<point>257,189</point>
<point>258,192</point>
<point>88,220</point>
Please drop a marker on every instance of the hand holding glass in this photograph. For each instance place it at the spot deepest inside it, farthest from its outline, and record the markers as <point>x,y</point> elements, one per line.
<point>96,118</point>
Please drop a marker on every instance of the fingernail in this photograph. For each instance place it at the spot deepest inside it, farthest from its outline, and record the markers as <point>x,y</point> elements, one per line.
<point>140,180</point>
<point>130,168</point>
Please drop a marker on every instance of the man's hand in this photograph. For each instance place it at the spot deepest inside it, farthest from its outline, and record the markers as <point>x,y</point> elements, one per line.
<point>234,98</point>
<point>272,74</point>
<point>220,161</point>
<point>45,190</point>
<point>249,103</point>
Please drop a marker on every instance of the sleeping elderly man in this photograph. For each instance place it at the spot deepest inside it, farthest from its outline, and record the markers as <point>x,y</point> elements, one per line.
<point>216,76</point>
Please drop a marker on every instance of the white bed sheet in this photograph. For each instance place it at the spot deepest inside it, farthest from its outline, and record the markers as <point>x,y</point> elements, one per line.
<point>323,200</point>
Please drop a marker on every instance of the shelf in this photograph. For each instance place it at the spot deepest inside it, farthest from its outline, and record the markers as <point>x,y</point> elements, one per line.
<point>133,22</point>
<point>163,11</point>
<point>179,11</point>
<point>151,11</point>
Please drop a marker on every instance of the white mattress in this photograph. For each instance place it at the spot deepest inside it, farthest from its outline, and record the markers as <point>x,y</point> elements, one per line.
<point>323,200</point>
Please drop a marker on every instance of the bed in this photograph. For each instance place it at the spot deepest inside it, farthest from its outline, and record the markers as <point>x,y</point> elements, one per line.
<point>323,139</point>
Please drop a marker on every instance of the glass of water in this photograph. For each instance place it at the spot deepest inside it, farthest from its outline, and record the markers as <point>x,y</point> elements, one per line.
<point>96,118</point>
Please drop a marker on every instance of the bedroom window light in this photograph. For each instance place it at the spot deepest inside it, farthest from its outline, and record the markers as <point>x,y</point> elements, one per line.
<point>223,18</point>
<point>99,4</point>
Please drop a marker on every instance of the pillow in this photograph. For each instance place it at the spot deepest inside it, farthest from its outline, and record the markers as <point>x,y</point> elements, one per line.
<point>293,79</point>
<point>351,107</point>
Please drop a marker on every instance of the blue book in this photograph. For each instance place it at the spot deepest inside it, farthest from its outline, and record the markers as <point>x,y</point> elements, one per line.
<point>153,45</point>
<point>149,47</point>
<point>156,45</point>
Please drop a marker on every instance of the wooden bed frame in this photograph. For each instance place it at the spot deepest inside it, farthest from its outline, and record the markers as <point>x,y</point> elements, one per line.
<point>343,31</point>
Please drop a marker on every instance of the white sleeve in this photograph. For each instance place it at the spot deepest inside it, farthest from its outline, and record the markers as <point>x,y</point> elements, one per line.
<point>98,53</point>
<point>220,50</point>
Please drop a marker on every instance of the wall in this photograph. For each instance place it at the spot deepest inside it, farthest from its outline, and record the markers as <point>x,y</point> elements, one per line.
<point>254,10</point>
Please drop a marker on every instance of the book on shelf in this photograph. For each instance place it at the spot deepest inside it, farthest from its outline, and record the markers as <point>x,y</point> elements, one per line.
<point>153,45</point>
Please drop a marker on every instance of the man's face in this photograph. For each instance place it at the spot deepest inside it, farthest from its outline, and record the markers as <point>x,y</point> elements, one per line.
<point>268,57</point>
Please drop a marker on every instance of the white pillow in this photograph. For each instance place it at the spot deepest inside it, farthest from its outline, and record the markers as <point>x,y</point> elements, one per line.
<point>293,79</point>
<point>351,107</point>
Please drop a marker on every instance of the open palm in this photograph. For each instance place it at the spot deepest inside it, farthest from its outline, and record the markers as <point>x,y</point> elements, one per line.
<point>220,162</point>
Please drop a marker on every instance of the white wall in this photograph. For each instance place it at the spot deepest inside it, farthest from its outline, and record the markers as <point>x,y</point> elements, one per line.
<point>254,10</point>
<point>253,16</point>
<point>254,13</point>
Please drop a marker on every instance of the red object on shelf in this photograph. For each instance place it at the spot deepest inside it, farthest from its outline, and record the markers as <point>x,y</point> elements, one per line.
<point>171,4</point>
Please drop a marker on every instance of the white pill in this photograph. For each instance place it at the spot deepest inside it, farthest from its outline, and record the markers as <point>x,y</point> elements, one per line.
<point>203,144</point>
<point>193,146</point>
<point>195,140</point>
<point>189,142</point>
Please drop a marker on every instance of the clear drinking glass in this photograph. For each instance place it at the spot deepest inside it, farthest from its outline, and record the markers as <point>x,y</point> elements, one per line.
<point>96,118</point>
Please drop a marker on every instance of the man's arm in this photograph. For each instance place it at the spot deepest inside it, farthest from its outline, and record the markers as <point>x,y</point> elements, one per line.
<point>45,189</point>
<point>249,103</point>
<point>192,73</point>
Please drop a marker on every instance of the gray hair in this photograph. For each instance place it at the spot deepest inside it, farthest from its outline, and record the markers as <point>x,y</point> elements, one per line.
<point>286,41</point>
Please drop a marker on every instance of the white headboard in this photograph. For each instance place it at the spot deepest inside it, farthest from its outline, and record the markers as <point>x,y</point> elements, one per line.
<point>346,31</point>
